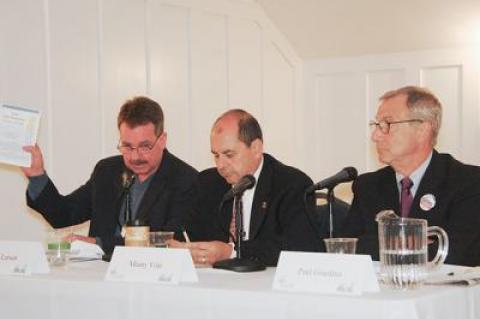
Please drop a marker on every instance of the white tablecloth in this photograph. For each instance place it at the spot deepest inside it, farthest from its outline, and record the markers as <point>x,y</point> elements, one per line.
<point>79,291</point>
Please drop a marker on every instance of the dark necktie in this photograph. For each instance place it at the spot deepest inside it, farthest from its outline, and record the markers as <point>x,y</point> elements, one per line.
<point>406,197</point>
<point>233,221</point>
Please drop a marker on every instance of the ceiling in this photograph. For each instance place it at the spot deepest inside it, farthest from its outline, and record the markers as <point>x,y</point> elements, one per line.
<point>333,28</point>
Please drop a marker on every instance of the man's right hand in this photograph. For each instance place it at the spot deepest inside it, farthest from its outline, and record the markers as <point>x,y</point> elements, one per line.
<point>36,168</point>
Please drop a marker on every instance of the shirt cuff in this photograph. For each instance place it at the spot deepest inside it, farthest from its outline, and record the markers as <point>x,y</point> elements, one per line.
<point>98,241</point>
<point>36,185</point>
<point>234,252</point>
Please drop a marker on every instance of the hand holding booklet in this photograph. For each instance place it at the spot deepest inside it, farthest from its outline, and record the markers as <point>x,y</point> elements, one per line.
<point>18,128</point>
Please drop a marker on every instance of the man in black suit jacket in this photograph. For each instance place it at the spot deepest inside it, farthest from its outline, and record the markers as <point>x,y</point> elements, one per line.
<point>162,187</point>
<point>274,211</point>
<point>445,192</point>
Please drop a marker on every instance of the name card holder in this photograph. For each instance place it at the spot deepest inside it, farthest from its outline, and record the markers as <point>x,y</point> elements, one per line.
<point>340,274</point>
<point>154,265</point>
<point>22,258</point>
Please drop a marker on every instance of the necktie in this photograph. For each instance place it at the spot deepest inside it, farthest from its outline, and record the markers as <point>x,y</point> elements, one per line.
<point>233,221</point>
<point>406,197</point>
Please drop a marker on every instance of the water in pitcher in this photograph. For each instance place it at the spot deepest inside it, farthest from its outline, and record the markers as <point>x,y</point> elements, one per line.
<point>404,268</point>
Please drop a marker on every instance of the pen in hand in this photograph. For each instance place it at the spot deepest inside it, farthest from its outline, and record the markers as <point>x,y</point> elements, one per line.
<point>185,235</point>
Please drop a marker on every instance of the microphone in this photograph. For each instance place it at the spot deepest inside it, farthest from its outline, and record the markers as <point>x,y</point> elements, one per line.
<point>127,179</point>
<point>347,174</point>
<point>246,182</point>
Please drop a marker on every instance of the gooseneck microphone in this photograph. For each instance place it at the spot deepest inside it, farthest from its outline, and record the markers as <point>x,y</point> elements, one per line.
<point>239,264</point>
<point>246,182</point>
<point>347,174</point>
<point>127,181</point>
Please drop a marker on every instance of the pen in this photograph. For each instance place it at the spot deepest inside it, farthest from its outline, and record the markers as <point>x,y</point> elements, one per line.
<point>185,235</point>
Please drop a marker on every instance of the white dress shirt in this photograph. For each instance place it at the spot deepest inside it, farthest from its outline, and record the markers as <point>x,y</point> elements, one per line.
<point>247,200</point>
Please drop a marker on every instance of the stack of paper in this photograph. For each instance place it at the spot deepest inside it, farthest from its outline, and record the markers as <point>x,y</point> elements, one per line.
<point>468,277</point>
<point>81,251</point>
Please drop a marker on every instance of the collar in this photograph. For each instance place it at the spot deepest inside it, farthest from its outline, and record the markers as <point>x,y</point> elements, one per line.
<point>249,192</point>
<point>259,169</point>
<point>416,175</point>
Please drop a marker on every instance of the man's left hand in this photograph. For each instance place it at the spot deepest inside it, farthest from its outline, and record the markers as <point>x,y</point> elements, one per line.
<point>205,252</point>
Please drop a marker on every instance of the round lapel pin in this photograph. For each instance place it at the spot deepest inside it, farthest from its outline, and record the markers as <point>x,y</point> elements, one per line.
<point>427,202</point>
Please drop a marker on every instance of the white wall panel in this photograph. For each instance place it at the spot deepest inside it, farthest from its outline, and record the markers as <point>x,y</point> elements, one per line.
<point>446,82</point>
<point>73,51</point>
<point>23,81</point>
<point>279,125</point>
<point>340,136</point>
<point>209,93</point>
<point>245,65</point>
<point>168,36</point>
<point>122,65</point>
<point>379,82</point>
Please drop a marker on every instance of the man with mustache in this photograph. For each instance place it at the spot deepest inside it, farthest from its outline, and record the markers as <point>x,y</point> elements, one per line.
<point>274,214</point>
<point>161,184</point>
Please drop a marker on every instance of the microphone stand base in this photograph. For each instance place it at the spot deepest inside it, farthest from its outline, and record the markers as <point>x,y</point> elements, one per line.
<point>239,265</point>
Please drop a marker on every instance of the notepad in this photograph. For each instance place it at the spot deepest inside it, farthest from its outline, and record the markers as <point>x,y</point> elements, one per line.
<point>456,279</point>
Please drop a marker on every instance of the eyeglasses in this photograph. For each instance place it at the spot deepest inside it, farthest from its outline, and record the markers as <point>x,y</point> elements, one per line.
<point>142,149</point>
<point>384,126</point>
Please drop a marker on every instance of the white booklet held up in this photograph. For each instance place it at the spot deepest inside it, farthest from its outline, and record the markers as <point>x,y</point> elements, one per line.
<point>18,128</point>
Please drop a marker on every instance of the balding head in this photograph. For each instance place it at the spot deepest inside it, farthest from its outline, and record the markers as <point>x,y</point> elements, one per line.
<point>247,126</point>
<point>236,144</point>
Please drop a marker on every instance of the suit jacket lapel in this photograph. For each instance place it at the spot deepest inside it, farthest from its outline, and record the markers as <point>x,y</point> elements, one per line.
<point>118,196</point>
<point>388,190</point>
<point>260,198</point>
<point>428,185</point>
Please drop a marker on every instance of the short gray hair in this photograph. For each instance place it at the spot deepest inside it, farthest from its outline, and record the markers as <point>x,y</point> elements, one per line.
<point>422,105</point>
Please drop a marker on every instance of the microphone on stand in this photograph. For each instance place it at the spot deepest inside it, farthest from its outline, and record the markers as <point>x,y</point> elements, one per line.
<point>347,174</point>
<point>135,230</point>
<point>127,181</point>
<point>238,263</point>
<point>246,182</point>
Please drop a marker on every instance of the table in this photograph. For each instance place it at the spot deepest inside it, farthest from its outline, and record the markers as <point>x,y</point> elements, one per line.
<point>79,291</point>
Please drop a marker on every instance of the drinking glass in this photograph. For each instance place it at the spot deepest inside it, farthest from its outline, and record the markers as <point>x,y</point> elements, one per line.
<point>58,246</point>
<point>160,239</point>
<point>341,245</point>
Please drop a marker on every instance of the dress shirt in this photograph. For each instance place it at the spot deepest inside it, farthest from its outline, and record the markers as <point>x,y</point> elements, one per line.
<point>247,200</point>
<point>415,177</point>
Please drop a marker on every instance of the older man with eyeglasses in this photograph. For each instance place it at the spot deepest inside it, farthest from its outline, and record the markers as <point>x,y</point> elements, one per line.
<point>161,184</point>
<point>418,182</point>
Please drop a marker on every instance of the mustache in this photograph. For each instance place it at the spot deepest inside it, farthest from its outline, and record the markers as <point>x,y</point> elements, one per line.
<point>139,162</point>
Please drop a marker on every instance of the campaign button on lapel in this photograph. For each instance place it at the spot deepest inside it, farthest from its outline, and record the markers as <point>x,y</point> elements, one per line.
<point>427,202</point>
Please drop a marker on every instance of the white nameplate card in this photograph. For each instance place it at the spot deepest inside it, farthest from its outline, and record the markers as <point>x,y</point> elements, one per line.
<point>325,273</point>
<point>155,265</point>
<point>22,258</point>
